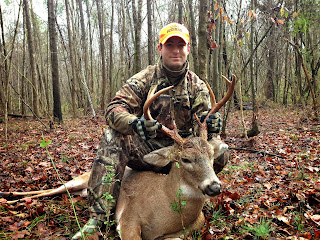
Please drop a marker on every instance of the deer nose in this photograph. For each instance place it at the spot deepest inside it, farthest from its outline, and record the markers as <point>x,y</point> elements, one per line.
<point>213,189</point>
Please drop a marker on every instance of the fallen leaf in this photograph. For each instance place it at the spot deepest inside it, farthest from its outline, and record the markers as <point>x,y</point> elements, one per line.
<point>17,225</point>
<point>316,219</point>
<point>19,235</point>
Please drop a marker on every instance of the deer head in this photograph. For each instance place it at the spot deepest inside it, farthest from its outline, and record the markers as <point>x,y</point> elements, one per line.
<point>192,151</point>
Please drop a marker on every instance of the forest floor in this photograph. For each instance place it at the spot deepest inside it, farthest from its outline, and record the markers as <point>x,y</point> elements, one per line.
<point>271,184</point>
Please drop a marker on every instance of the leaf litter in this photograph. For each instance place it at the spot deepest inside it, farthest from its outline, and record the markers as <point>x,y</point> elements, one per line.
<point>274,196</point>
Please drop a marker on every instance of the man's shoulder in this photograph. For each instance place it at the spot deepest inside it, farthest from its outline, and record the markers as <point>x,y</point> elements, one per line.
<point>145,73</point>
<point>194,78</point>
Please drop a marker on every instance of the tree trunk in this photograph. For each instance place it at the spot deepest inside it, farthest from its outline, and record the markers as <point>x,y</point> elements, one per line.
<point>103,61</point>
<point>203,41</point>
<point>255,126</point>
<point>110,54</point>
<point>269,87</point>
<point>137,34</point>
<point>91,81</point>
<point>150,34</point>
<point>122,28</point>
<point>215,57</point>
<point>57,114</point>
<point>73,67</point>
<point>34,80</point>
<point>192,30</point>
<point>83,41</point>
<point>4,74</point>
<point>23,85</point>
<point>286,77</point>
<point>180,8</point>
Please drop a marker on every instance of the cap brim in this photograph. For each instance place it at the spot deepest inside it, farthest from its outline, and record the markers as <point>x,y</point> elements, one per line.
<point>175,35</point>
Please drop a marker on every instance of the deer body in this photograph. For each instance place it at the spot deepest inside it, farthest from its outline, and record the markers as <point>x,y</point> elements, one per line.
<point>145,205</point>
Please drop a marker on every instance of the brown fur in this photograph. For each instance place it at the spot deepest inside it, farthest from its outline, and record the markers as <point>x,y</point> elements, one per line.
<point>144,207</point>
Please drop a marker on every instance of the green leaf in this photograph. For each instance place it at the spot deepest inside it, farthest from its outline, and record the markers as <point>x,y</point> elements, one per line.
<point>45,143</point>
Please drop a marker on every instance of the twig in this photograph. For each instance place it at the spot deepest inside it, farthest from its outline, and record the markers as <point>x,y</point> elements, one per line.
<point>256,151</point>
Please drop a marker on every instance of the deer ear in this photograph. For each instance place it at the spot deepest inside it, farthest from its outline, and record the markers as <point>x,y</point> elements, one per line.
<point>219,146</point>
<point>160,157</point>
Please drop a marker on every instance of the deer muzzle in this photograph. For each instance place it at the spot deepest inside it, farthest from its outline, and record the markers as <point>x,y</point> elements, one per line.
<point>213,189</point>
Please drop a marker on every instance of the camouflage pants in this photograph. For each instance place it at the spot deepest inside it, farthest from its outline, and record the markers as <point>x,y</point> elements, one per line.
<point>116,151</point>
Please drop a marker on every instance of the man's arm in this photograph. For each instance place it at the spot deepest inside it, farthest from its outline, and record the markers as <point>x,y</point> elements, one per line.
<point>128,102</point>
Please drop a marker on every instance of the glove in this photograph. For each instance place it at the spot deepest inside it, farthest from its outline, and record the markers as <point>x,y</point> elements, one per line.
<point>213,122</point>
<point>146,129</point>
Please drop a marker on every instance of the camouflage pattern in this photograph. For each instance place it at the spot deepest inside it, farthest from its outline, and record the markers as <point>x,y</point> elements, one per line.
<point>120,146</point>
<point>189,96</point>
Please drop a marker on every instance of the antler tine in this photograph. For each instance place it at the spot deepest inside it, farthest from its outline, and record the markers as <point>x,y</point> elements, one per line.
<point>146,111</point>
<point>216,106</point>
<point>150,99</point>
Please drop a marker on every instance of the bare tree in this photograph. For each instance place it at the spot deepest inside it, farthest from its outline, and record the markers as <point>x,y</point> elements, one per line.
<point>255,126</point>
<point>137,22</point>
<point>35,99</point>
<point>72,61</point>
<point>180,8</point>
<point>193,37</point>
<point>57,114</point>
<point>110,53</point>
<point>102,55</point>
<point>203,39</point>
<point>150,34</point>
<point>84,43</point>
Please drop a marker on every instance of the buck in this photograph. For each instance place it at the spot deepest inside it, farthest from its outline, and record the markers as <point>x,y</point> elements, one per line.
<point>157,206</point>
<point>160,206</point>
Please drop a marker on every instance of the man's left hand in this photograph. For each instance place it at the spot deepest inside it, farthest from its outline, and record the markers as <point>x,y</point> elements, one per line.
<point>213,122</point>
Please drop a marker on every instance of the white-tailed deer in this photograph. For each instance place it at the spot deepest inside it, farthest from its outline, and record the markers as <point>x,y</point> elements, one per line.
<point>156,206</point>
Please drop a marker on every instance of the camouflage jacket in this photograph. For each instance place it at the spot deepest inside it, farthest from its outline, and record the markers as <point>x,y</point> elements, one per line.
<point>189,96</point>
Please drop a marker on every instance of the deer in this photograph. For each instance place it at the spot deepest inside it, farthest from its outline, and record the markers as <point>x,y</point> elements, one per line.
<point>162,206</point>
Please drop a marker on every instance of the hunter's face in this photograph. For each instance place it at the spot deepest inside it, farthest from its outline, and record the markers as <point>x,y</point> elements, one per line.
<point>174,53</point>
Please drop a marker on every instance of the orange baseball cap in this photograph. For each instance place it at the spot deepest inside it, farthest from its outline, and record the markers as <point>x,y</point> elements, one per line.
<point>174,30</point>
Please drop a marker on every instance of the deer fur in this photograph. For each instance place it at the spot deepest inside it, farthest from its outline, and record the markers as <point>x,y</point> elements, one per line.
<point>144,209</point>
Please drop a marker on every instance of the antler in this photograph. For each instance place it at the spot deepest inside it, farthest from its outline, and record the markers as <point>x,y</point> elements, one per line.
<point>146,111</point>
<point>216,106</point>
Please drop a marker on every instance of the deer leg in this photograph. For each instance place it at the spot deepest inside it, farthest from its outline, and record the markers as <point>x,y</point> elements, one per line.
<point>196,225</point>
<point>129,231</point>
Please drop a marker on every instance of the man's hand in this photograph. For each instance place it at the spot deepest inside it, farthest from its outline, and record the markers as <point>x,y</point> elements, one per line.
<point>146,129</point>
<point>213,122</point>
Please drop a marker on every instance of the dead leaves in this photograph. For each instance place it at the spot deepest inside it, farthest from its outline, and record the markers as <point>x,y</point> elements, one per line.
<point>285,192</point>
<point>27,167</point>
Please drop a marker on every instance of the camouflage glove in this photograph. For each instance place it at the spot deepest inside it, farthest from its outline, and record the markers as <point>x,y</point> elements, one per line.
<point>213,122</point>
<point>146,129</point>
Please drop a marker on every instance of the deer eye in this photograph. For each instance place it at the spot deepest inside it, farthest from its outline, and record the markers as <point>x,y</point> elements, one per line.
<point>184,160</point>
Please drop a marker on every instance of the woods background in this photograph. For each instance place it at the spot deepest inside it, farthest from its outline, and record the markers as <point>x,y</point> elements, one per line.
<point>63,60</point>
<point>70,57</point>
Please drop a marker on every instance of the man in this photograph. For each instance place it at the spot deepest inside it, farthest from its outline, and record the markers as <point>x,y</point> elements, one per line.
<point>130,136</point>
